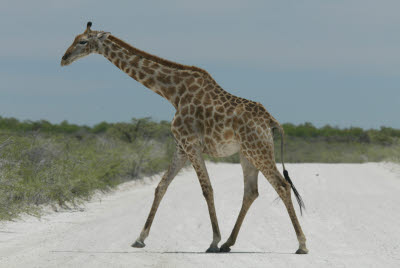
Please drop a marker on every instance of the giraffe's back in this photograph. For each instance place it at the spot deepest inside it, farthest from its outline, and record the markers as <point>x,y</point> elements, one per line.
<point>221,123</point>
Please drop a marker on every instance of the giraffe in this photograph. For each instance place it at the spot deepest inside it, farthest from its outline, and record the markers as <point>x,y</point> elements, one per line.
<point>207,120</point>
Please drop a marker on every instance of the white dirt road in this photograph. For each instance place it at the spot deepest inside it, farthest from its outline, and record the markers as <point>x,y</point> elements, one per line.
<point>352,219</point>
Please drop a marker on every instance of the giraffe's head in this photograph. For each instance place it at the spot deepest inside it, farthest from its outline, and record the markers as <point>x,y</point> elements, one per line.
<point>84,44</point>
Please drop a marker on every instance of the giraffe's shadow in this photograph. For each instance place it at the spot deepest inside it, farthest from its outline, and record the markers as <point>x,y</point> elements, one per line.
<point>166,252</point>
<point>223,253</point>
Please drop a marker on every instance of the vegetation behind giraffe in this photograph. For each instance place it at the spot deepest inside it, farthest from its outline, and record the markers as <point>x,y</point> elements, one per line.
<point>63,164</point>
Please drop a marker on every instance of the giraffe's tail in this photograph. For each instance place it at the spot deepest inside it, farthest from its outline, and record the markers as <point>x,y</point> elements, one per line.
<point>286,173</point>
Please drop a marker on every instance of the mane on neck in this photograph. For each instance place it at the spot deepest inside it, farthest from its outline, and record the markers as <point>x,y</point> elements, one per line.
<point>154,58</point>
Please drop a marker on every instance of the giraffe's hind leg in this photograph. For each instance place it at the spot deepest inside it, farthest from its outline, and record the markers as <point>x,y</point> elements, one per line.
<point>283,188</point>
<point>250,174</point>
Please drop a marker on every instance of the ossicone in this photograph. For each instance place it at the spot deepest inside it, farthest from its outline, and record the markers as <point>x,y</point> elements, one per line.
<point>88,25</point>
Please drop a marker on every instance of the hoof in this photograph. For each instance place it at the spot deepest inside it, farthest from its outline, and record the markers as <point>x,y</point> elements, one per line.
<point>225,248</point>
<point>212,250</point>
<point>138,244</point>
<point>302,251</point>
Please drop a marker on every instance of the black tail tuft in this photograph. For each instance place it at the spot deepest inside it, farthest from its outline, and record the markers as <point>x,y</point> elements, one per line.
<point>296,193</point>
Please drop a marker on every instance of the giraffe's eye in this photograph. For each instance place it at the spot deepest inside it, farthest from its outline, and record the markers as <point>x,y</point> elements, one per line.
<point>83,42</point>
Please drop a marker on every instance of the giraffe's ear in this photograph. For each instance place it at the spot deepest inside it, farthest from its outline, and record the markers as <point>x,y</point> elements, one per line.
<point>103,35</point>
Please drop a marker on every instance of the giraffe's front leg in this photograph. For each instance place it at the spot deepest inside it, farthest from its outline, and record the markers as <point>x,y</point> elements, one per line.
<point>178,162</point>
<point>250,174</point>
<point>195,156</point>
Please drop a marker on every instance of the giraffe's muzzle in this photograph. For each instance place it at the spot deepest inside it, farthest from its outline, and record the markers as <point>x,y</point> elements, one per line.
<point>64,59</point>
<point>66,55</point>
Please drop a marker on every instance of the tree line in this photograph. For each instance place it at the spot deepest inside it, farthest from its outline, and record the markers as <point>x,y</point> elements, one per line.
<point>149,129</point>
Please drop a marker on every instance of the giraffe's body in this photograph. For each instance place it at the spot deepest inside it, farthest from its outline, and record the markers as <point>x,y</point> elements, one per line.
<point>208,120</point>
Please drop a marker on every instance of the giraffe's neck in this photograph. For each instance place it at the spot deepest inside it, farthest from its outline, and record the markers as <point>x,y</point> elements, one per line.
<point>165,78</point>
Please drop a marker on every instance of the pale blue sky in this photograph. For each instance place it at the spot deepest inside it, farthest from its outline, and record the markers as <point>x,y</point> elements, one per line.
<point>326,62</point>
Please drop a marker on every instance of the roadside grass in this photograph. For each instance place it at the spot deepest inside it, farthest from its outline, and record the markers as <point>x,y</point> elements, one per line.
<point>63,171</point>
<point>309,151</point>
<point>300,150</point>
<point>63,165</point>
